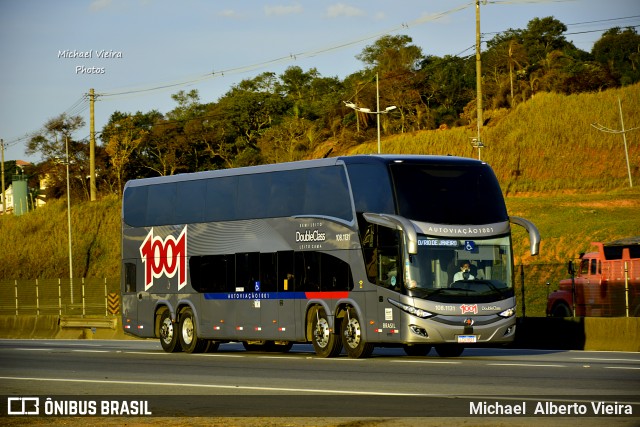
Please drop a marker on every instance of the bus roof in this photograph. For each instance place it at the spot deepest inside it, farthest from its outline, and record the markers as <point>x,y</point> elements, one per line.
<point>303,164</point>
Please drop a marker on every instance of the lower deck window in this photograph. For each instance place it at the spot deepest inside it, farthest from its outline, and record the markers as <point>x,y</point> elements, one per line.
<point>270,272</point>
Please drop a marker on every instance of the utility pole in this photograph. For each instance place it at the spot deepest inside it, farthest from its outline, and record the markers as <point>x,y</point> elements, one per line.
<point>624,137</point>
<point>478,142</point>
<point>92,145</point>
<point>4,199</point>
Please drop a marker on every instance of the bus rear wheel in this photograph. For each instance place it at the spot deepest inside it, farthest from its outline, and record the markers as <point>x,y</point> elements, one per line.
<point>325,342</point>
<point>352,338</point>
<point>188,334</point>
<point>168,334</point>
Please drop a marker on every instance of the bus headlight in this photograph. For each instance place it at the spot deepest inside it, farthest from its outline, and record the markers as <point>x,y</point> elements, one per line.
<point>508,312</point>
<point>418,312</point>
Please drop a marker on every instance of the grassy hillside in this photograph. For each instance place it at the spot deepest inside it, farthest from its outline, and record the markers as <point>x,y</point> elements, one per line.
<point>35,245</point>
<point>556,170</point>
<point>546,144</point>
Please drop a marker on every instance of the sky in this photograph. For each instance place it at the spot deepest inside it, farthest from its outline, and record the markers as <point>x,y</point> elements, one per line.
<point>155,48</point>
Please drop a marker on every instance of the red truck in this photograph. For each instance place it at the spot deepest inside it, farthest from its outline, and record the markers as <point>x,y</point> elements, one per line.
<point>607,283</point>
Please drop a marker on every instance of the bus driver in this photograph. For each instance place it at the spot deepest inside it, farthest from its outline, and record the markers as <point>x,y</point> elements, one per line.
<point>464,273</point>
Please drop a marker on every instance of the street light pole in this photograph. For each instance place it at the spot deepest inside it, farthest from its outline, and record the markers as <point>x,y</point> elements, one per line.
<point>378,109</point>
<point>377,112</point>
<point>69,219</point>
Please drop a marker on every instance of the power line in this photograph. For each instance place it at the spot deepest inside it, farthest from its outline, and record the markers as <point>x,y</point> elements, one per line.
<point>291,57</point>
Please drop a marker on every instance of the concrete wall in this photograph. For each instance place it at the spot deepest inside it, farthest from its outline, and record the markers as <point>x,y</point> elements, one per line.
<point>590,333</point>
<point>66,327</point>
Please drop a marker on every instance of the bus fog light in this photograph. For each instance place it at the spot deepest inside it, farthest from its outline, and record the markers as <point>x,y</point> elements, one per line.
<point>419,331</point>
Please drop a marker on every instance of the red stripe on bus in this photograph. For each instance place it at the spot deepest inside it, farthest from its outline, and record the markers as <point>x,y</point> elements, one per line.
<point>327,295</point>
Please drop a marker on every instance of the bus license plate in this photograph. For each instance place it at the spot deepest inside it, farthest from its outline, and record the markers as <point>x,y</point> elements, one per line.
<point>467,338</point>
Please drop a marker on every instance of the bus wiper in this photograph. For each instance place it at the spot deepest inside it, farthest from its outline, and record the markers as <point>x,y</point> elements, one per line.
<point>490,285</point>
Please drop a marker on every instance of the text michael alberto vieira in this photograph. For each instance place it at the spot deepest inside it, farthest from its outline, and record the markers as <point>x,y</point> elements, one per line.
<point>90,54</point>
<point>550,408</point>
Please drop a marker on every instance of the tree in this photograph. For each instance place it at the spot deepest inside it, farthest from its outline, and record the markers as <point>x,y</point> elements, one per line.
<point>542,36</point>
<point>390,53</point>
<point>51,142</point>
<point>619,51</point>
<point>124,136</point>
<point>188,105</point>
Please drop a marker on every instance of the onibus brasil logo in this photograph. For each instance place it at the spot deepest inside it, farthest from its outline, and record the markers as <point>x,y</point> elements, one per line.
<point>164,257</point>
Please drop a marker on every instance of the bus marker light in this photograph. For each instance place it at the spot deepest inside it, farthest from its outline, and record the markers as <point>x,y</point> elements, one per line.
<point>140,326</point>
<point>217,328</point>
<point>282,329</point>
<point>239,328</point>
<point>258,328</point>
<point>127,326</point>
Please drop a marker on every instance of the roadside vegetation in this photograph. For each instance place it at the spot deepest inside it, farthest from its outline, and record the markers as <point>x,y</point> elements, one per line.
<point>541,97</point>
<point>573,184</point>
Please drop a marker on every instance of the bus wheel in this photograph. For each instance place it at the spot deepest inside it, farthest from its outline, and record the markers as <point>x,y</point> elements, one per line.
<point>449,350</point>
<point>352,339</point>
<point>417,349</point>
<point>168,334</point>
<point>325,342</point>
<point>188,337</point>
<point>561,310</point>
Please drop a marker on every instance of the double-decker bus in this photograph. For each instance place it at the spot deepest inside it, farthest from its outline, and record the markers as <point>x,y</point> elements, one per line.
<point>348,252</point>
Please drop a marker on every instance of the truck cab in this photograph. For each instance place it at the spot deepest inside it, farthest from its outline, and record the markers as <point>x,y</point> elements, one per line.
<point>605,284</point>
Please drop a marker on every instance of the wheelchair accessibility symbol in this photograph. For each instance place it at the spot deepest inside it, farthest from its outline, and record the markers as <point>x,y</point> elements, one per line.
<point>469,246</point>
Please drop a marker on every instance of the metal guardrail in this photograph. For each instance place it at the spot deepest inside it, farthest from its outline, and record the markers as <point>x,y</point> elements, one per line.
<point>62,297</point>
<point>87,323</point>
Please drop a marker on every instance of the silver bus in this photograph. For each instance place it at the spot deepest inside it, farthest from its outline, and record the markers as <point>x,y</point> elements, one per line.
<point>349,252</point>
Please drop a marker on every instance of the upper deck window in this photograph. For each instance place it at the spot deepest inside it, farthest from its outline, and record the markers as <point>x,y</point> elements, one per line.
<point>452,193</point>
<point>321,191</point>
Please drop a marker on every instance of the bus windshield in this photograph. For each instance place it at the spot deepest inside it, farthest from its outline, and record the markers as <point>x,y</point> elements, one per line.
<point>452,270</point>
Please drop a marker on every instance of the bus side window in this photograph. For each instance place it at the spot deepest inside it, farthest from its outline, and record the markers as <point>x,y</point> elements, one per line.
<point>129,277</point>
<point>335,274</point>
<point>307,271</point>
<point>268,270</point>
<point>247,271</point>
<point>212,273</point>
<point>286,276</point>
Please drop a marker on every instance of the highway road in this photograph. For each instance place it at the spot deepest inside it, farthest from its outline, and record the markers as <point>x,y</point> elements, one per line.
<point>231,381</point>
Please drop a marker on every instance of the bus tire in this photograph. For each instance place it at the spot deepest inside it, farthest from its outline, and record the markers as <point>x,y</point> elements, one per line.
<point>352,339</point>
<point>449,350</point>
<point>188,334</point>
<point>325,342</point>
<point>417,349</point>
<point>168,333</point>
<point>561,310</point>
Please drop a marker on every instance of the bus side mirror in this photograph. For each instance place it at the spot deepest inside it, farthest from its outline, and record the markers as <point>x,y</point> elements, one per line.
<point>534,234</point>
